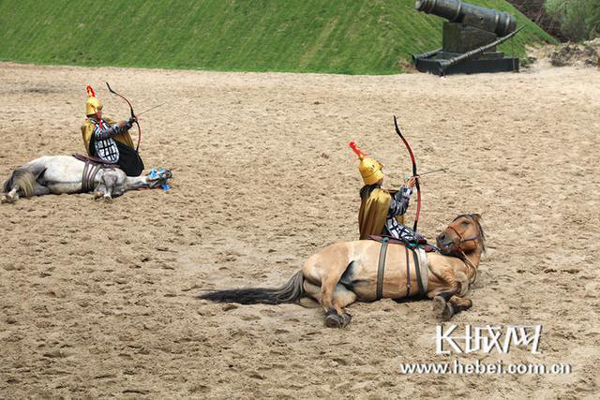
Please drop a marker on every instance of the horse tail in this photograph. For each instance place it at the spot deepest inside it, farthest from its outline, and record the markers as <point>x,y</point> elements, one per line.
<point>291,292</point>
<point>22,177</point>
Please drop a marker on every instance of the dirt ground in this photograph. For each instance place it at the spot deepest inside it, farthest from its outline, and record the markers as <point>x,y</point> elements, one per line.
<point>97,299</point>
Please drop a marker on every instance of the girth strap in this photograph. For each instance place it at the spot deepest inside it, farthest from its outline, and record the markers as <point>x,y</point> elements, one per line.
<point>407,271</point>
<point>381,266</point>
<point>89,176</point>
<point>417,270</point>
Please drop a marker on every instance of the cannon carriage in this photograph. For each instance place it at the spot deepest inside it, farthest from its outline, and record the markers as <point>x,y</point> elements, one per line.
<point>470,36</point>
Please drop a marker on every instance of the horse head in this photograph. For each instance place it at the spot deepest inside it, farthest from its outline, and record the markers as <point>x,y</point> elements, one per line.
<point>463,236</point>
<point>158,177</point>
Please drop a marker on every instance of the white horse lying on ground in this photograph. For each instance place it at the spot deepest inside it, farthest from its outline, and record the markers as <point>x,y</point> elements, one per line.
<point>67,174</point>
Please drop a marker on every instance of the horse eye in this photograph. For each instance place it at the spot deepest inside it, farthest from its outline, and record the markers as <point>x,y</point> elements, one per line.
<point>465,222</point>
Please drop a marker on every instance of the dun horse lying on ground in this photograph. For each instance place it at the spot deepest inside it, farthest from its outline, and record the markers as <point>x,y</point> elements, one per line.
<point>346,272</point>
<point>67,174</point>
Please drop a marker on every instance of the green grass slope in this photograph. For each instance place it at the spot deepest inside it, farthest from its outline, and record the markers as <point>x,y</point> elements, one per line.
<point>330,36</point>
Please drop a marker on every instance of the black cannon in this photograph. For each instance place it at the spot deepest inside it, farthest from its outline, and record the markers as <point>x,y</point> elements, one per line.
<point>470,37</point>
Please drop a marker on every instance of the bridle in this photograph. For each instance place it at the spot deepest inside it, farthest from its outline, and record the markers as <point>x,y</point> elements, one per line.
<point>463,240</point>
<point>467,262</point>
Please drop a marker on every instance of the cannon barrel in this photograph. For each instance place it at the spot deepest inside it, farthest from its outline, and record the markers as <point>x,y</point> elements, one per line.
<point>499,22</point>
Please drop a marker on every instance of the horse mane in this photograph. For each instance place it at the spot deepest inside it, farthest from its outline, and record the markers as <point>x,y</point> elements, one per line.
<point>475,218</point>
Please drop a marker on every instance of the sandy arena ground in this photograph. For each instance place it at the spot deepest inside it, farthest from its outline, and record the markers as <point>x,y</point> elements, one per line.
<point>97,299</point>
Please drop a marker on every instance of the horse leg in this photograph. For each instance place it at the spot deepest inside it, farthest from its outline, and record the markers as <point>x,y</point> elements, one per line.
<point>443,308</point>
<point>23,182</point>
<point>324,271</point>
<point>12,193</point>
<point>314,295</point>
<point>457,284</point>
<point>447,309</point>
<point>342,297</point>
<point>334,298</point>
<point>333,318</point>
<point>110,180</point>
<point>40,190</point>
<point>100,191</point>
<point>11,196</point>
<point>441,302</point>
<point>459,304</point>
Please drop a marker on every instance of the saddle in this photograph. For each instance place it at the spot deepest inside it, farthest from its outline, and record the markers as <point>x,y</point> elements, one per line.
<point>409,247</point>
<point>95,161</point>
<point>90,170</point>
<point>421,245</point>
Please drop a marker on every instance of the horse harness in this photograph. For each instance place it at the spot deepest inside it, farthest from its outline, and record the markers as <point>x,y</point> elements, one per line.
<point>385,240</point>
<point>90,170</point>
<point>462,240</point>
<point>462,253</point>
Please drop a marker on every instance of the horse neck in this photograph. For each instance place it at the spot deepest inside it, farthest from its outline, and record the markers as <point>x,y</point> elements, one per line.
<point>135,182</point>
<point>471,261</point>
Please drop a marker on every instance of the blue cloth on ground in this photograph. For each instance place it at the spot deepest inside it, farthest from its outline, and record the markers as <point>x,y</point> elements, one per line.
<point>155,173</point>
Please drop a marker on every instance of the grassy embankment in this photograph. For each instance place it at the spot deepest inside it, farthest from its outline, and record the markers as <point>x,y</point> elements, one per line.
<point>330,36</point>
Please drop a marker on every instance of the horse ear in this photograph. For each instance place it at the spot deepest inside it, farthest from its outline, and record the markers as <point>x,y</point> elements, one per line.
<point>476,217</point>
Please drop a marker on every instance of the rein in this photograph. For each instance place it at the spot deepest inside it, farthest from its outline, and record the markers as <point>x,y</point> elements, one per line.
<point>469,264</point>
<point>464,258</point>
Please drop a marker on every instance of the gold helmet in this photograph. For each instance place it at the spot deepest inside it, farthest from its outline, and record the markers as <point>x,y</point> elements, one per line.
<point>370,169</point>
<point>92,105</point>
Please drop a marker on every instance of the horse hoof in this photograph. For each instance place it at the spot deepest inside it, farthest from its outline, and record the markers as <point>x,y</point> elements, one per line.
<point>8,198</point>
<point>333,321</point>
<point>107,199</point>
<point>448,312</point>
<point>439,305</point>
<point>468,305</point>
<point>443,308</point>
<point>346,318</point>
